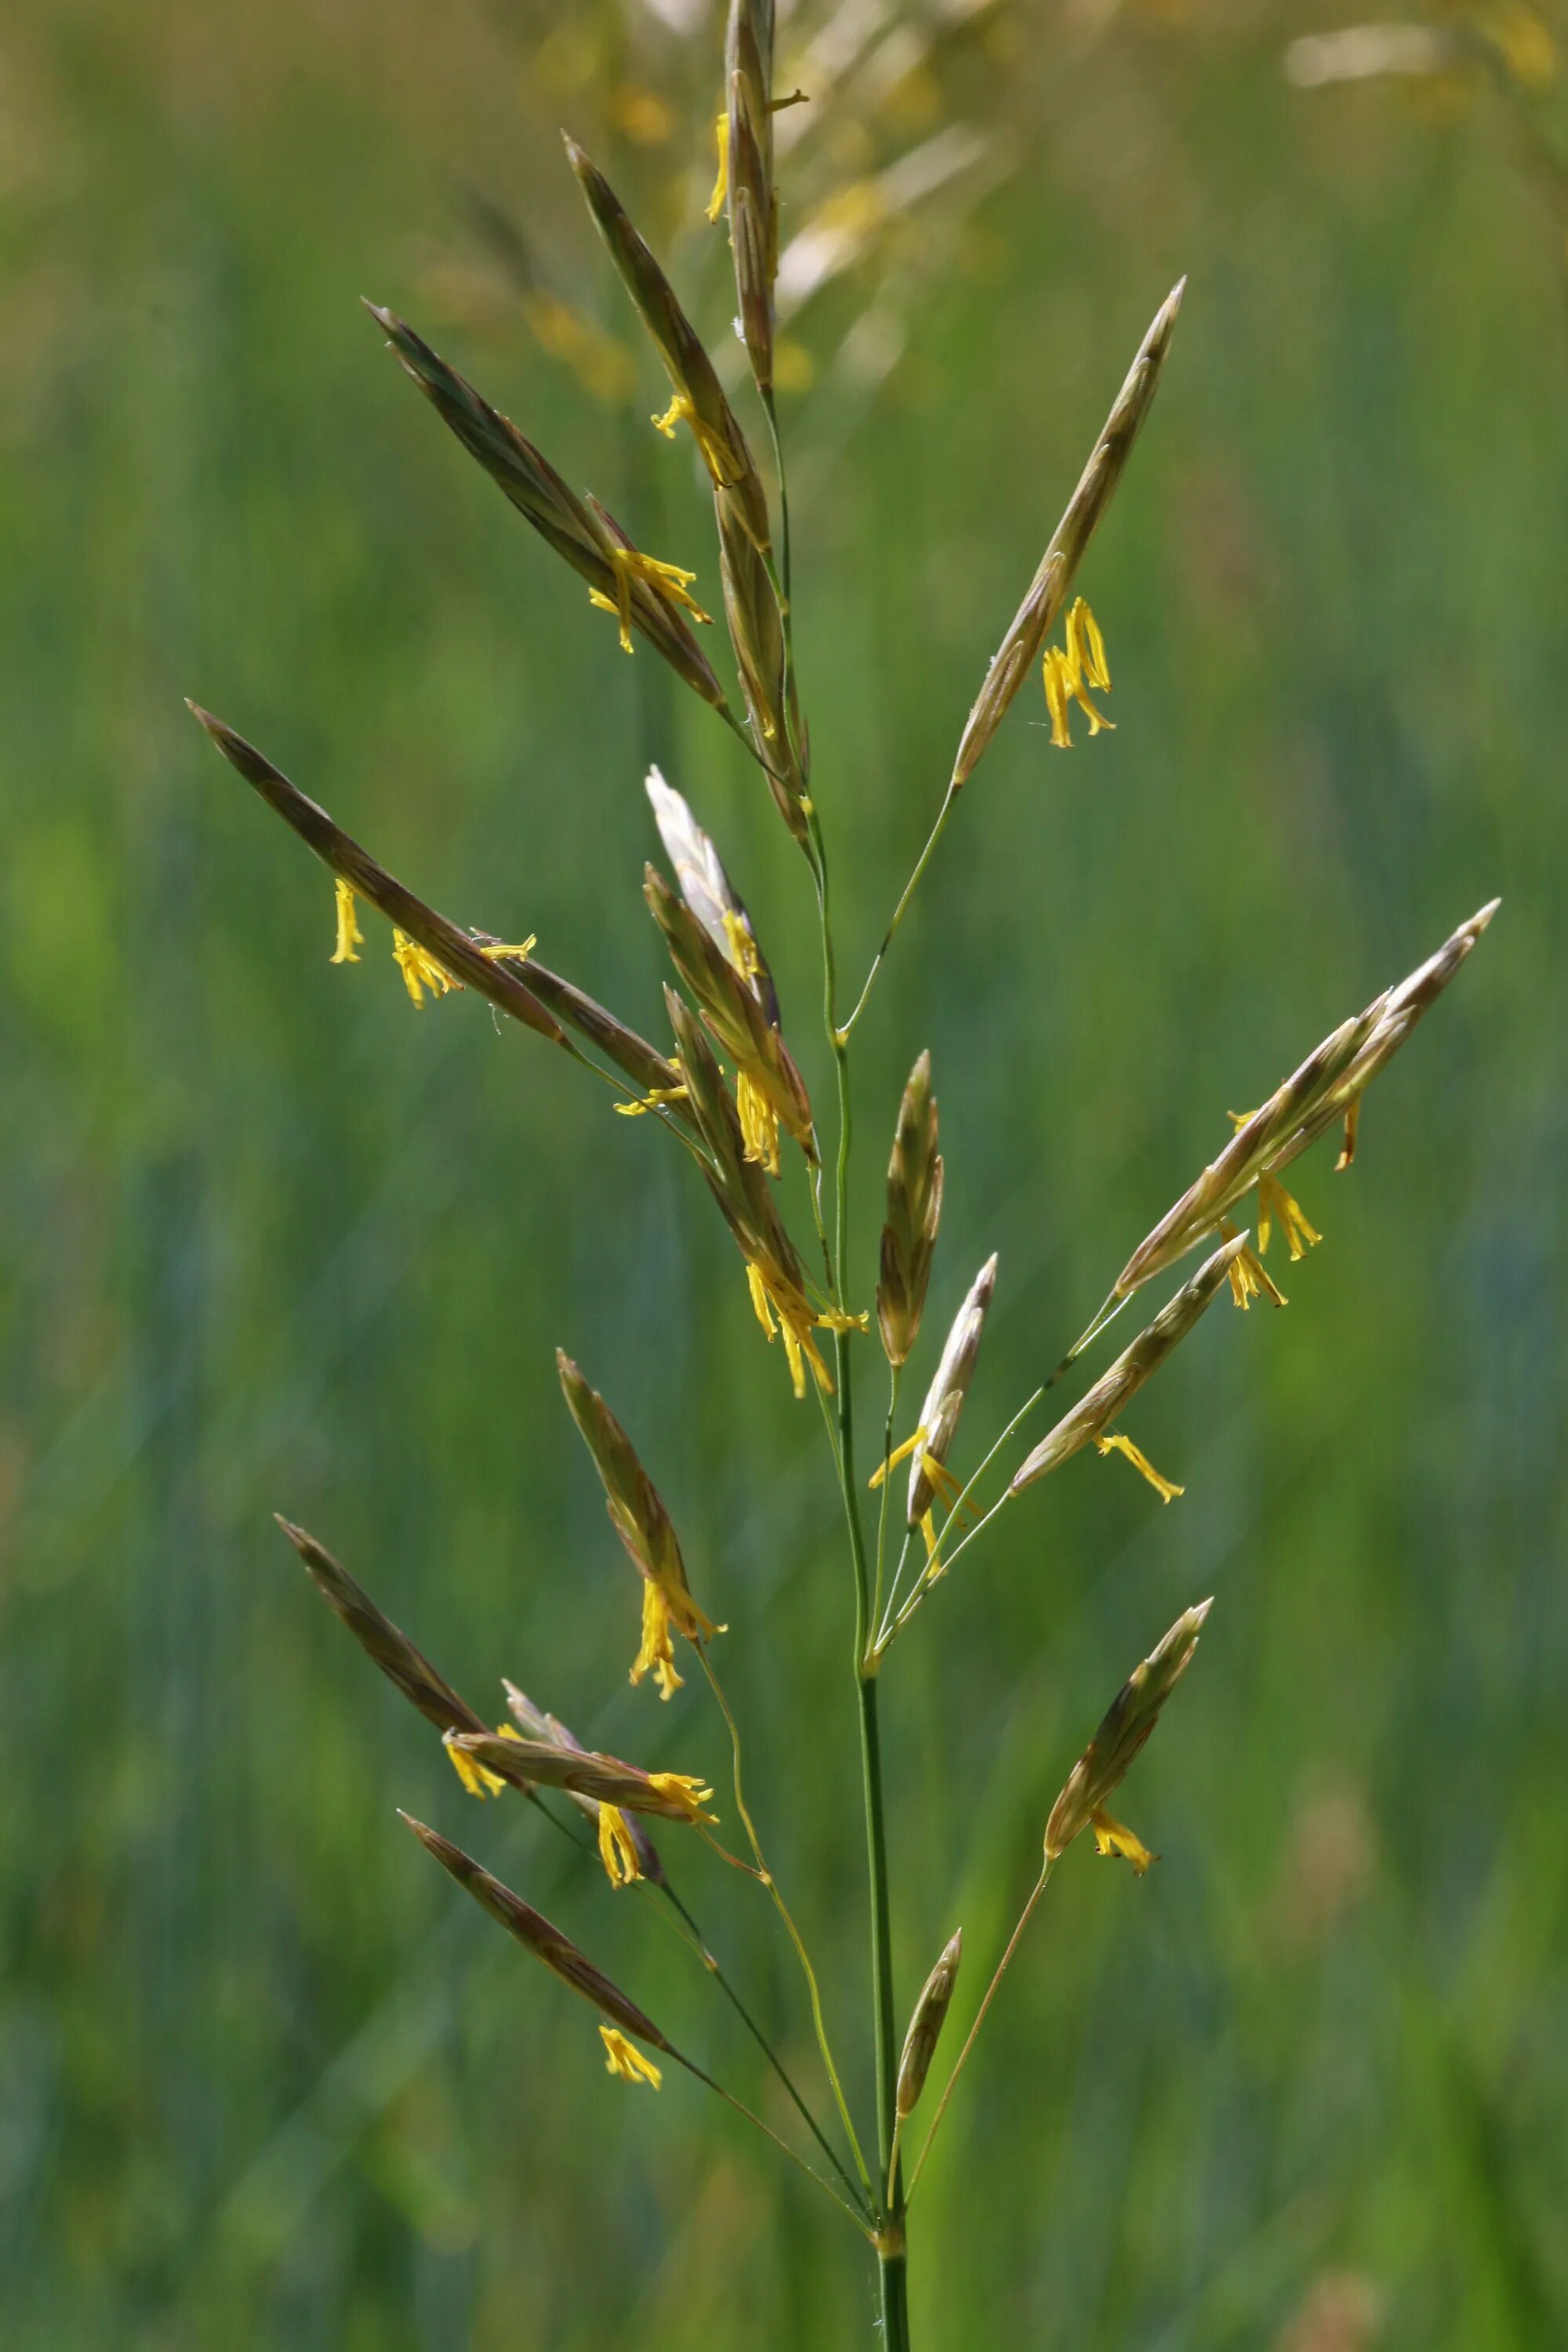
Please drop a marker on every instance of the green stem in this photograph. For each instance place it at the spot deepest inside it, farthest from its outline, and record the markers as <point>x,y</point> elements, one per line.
<point>890,2245</point>
<point>950,801</point>
<point>1013,1942</point>
<point>893,2268</point>
<point>814,1990</point>
<point>768,2133</point>
<point>759,2037</point>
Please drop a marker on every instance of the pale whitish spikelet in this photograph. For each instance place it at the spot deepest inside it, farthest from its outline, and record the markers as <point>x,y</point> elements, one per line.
<point>950,1386</point>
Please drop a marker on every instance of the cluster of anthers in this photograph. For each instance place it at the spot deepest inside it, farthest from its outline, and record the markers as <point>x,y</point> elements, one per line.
<point>422,974</point>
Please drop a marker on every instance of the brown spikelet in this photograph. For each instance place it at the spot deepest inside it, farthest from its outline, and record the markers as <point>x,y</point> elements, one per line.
<point>1126,1724</point>
<point>537,1763</point>
<point>384,1644</point>
<point>926,2024</point>
<point>1323,1092</point>
<point>734,1012</point>
<point>914,1213</point>
<point>752,200</point>
<point>536,1935</point>
<point>1115,1388</point>
<point>580,534</point>
<point>1036,616</point>
<point>543,1001</point>
<point>535,1723</point>
<point>635,1508</point>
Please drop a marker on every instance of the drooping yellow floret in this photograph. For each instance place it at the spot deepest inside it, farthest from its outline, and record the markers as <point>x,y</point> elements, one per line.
<point>666,580</point>
<point>618,1848</point>
<point>420,969</point>
<point>1068,673</point>
<point>350,935</point>
<point>626,2061</point>
<point>1117,1444</point>
<point>1111,1837</point>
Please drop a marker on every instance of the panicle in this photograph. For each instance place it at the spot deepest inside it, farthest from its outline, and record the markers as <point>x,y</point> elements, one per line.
<point>914,1213</point>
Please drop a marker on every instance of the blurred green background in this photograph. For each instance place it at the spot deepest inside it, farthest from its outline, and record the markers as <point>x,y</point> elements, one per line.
<point>273,1241</point>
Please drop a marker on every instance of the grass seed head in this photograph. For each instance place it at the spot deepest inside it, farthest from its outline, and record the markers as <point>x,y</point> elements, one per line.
<point>1126,1724</point>
<point>700,401</point>
<point>536,1935</point>
<point>544,1764</point>
<point>1324,1091</point>
<point>950,1386</point>
<point>536,1725</point>
<point>1114,1389</point>
<point>458,955</point>
<point>1036,616</point>
<point>644,1525</point>
<point>384,1644</point>
<point>582,537</point>
<point>734,1011</point>
<point>753,202</point>
<point>926,2024</point>
<point>914,1213</point>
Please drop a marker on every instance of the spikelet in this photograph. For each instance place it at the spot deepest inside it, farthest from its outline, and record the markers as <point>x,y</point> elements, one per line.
<point>1115,1388</point>
<point>738,1184</point>
<point>926,2024</point>
<point>709,891</point>
<point>1036,616</point>
<point>945,1397</point>
<point>1323,1092</point>
<point>535,1723</point>
<point>644,1525</point>
<point>542,1003</point>
<point>750,198</point>
<point>700,399</point>
<point>384,1644</point>
<point>537,1763</point>
<point>536,1935</point>
<point>770,1088</point>
<point>914,1213</point>
<point>740,503</point>
<point>452,949</point>
<point>578,532</point>
<point>1126,1724</point>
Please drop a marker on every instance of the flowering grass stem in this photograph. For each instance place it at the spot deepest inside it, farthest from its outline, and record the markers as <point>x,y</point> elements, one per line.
<point>766,1876</point>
